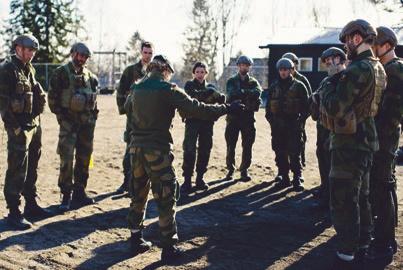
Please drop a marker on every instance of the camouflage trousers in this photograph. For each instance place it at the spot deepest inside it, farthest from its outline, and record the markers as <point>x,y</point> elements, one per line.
<point>287,142</point>
<point>75,141</point>
<point>127,172</point>
<point>24,152</point>
<point>202,132</point>
<point>248,133</point>
<point>323,156</point>
<point>349,198</point>
<point>382,189</point>
<point>153,169</point>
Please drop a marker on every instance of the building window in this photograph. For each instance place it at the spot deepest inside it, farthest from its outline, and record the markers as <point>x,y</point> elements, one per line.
<point>321,66</point>
<point>305,64</point>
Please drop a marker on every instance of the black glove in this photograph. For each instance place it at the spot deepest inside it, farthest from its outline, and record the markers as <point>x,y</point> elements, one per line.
<point>235,107</point>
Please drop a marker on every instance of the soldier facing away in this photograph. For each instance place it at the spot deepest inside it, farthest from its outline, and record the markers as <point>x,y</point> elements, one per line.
<point>348,111</point>
<point>72,98</point>
<point>286,111</point>
<point>197,130</point>
<point>22,100</point>
<point>382,184</point>
<point>334,59</point>
<point>247,89</point>
<point>152,104</point>
<point>130,75</point>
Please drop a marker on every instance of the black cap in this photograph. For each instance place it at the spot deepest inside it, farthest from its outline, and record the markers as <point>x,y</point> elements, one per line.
<point>163,60</point>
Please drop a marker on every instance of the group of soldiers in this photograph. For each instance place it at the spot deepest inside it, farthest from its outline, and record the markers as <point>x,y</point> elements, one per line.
<point>358,108</point>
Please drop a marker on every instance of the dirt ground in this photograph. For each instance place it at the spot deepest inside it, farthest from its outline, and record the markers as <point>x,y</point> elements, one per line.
<point>233,225</point>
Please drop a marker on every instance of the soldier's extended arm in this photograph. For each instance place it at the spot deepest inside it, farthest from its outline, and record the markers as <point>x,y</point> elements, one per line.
<point>192,108</point>
<point>123,91</point>
<point>339,101</point>
<point>6,84</point>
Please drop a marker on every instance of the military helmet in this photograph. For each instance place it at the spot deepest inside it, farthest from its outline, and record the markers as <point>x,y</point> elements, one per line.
<point>163,60</point>
<point>292,56</point>
<point>333,51</point>
<point>285,63</point>
<point>384,35</point>
<point>364,28</point>
<point>27,41</point>
<point>243,59</point>
<point>81,48</point>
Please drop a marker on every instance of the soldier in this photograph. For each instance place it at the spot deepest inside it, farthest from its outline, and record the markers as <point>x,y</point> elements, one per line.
<point>198,130</point>
<point>382,185</point>
<point>287,109</point>
<point>152,104</point>
<point>334,59</point>
<point>22,100</point>
<point>130,75</point>
<point>348,112</point>
<point>305,81</point>
<point>242,87</point>
<point>72,97</point>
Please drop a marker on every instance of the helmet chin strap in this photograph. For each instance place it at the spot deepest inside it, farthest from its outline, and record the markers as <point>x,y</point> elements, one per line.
<point>382,55</point>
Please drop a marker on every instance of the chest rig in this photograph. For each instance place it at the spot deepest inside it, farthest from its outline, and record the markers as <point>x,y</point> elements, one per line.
<point>79,96</point>
<point>286,101</point>
<point>22,101</point>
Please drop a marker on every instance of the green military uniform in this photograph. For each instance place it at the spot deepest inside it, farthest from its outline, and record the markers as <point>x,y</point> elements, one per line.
<point>348,111</point>
<point>152,105</point>
<point>286,111</point>
<point>72,97</point>
<point>130,75</point>
<point>387,125</point>
<point>21,102</point>
<point>198,130</point>
<point>248,91</point>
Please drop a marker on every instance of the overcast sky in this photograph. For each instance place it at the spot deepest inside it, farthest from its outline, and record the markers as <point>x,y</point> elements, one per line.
<point>110,23</point>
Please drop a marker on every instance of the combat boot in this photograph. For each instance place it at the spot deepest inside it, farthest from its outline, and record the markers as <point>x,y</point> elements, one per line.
<point>80,198</point>
<point>16,220</point>
<point>245,176</point>
<point>284,182</point>
<point>66,201</point>
<point>200,184</point>
<point>340,264</point>
<point>170,254</point>
<point>186,187</point>
<point>138,244</point>
<point>230,175</point>
<point>297,183</point>
<point>33,210</point>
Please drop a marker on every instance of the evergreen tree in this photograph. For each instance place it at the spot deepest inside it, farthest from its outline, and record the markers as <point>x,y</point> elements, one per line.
<point>201,40</point>
<point>133,47</point>
<point>55,23</point>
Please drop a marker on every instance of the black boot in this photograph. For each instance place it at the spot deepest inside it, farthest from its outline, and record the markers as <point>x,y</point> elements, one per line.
<point>33,210</point>
<point>170,254</point>
<point>297,183</point>
<point>245,176</point>
<point>187,185</point>
<point>340,264</point>
<point>80,198</point>
<point>200,184</point>
<point>230,175</point>
<point>16,220</point>
<point>66,201</point>
<point>284,182</point>
<point>138,244</point>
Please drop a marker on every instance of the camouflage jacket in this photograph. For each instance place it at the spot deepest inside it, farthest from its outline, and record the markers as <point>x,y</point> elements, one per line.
<point>60,83</point>
<point>356,80</point>
<point>391,108</point>
<point>12,71</point>
<point>304,80</point>
<point>203,93</point>
<point>287,102</point>
<point>152,104</point>
<point>130,75</point>
<point>248,91</point>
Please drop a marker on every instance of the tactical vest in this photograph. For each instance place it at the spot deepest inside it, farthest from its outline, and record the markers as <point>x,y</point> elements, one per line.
<point>369,99</point>
<point>22,101</point>
<point>79,96</point>
<point>288,102</point>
